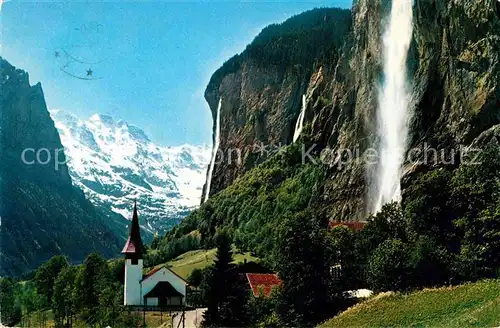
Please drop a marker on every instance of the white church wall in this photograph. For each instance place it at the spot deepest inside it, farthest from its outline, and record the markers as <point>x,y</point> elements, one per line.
<point>133,276</point>
<point>164,275</point>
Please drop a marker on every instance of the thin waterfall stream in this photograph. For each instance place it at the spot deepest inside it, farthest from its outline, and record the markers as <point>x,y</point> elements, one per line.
<point>214,152</point>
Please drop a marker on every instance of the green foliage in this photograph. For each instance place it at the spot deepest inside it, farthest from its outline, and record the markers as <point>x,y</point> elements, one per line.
<point>428,209</point>
<point>28,296</point>
<point>46,275</point>
<point>302,255</point>
<point>11,310</point>
<point>389,266</point>
<point>447,230</point>
<point>394,256</point>
<point>262,311</point>
<point>480,250</point>
<point>90,280</point>
<point>110,304</point>
<point>57,218</point>
<point>251,209</point>
<point>298,42</point>
<point>63,299</point>
<point>301,39</point>
<point>344,253</point>
<point>171,246</point>
<point>117,270</point>
<point>430,262</point>
<point>195,277</point>
<point>475,200</point>
<point>457,212</point>
<point>223,291</point>
<point>89,294</point>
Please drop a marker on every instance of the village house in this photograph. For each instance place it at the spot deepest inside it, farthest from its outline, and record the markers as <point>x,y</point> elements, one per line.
<point>262,284</point>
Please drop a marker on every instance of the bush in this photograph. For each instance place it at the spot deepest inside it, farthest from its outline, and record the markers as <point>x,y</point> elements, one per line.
<point>302,259</point>
<point>389,266</point>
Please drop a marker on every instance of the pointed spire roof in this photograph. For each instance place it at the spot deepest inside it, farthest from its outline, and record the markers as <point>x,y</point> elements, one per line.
<point>133,246</point>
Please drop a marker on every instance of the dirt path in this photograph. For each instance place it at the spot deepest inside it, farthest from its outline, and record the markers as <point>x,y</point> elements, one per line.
<point>193,319</point>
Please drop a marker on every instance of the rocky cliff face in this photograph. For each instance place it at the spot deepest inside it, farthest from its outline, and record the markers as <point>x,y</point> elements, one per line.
<point>42,214</point>
<point>455,70</point>
<point>26,127</point>
<point>262,88</point>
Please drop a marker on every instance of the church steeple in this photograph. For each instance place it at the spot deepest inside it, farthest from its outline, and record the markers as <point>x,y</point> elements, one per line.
<point>133,247</point>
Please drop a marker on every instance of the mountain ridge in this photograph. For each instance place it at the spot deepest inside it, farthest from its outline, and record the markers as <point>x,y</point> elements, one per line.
<point>116,163</point>
<point>42,213</point>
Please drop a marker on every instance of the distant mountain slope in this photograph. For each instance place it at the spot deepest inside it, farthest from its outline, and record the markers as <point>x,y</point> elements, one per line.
<point>114,163</point>
<point>42,214</point>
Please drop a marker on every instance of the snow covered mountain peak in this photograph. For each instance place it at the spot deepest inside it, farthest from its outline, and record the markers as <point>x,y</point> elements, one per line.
<point>115,163</point>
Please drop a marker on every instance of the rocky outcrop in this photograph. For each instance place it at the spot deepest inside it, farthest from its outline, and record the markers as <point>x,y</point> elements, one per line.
<point>455,71</point>
<point>258,107</point>
<point>27,129</point>
<point>42,214</point>
<point>261,89</point>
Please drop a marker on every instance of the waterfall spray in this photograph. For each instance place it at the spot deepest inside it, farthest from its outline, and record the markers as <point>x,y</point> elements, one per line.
<point>300,120</point>
<point>214,152</point>
<point>394,104</point>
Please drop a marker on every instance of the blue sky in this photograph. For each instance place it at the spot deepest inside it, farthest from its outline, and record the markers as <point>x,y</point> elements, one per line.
<point>150,61</point>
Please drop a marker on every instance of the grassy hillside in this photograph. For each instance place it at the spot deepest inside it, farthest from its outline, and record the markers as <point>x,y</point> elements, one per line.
<point>252,208</point>
<point>470,305</point>
<point>184,264</point>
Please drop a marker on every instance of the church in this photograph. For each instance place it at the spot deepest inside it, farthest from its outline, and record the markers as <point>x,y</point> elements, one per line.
<point>160,287</point>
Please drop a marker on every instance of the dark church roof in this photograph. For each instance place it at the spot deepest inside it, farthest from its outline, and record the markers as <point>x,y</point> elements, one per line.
<point>133,246</point>
<point>163,289</point>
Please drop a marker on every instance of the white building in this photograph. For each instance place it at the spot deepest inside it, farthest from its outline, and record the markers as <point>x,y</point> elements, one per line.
<point>159,287</point>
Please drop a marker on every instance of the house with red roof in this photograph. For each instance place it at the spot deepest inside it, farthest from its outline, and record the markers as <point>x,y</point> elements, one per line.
<point>354,226</point>
<point>160,287</point>
<point>262,284</point>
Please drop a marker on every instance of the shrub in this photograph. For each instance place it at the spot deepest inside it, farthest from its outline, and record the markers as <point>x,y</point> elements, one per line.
<point>389,267</point>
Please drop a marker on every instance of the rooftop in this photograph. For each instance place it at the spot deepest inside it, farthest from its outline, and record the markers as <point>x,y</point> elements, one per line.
<point>355,226</point>
<point>262,283</point>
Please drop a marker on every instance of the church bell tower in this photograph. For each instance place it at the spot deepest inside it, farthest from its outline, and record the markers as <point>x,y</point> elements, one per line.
<point>133,263</point>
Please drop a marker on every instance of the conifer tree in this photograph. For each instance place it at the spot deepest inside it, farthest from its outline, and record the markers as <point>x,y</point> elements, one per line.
<point>217,291</point>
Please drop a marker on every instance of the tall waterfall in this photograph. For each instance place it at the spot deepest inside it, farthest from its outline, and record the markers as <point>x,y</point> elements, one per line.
<point>214,152</point>
<point>394,105</point>
<point>300,120</point>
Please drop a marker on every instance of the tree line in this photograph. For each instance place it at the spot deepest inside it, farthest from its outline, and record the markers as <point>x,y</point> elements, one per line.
<point>89,294</point>
<point>445,232</point>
